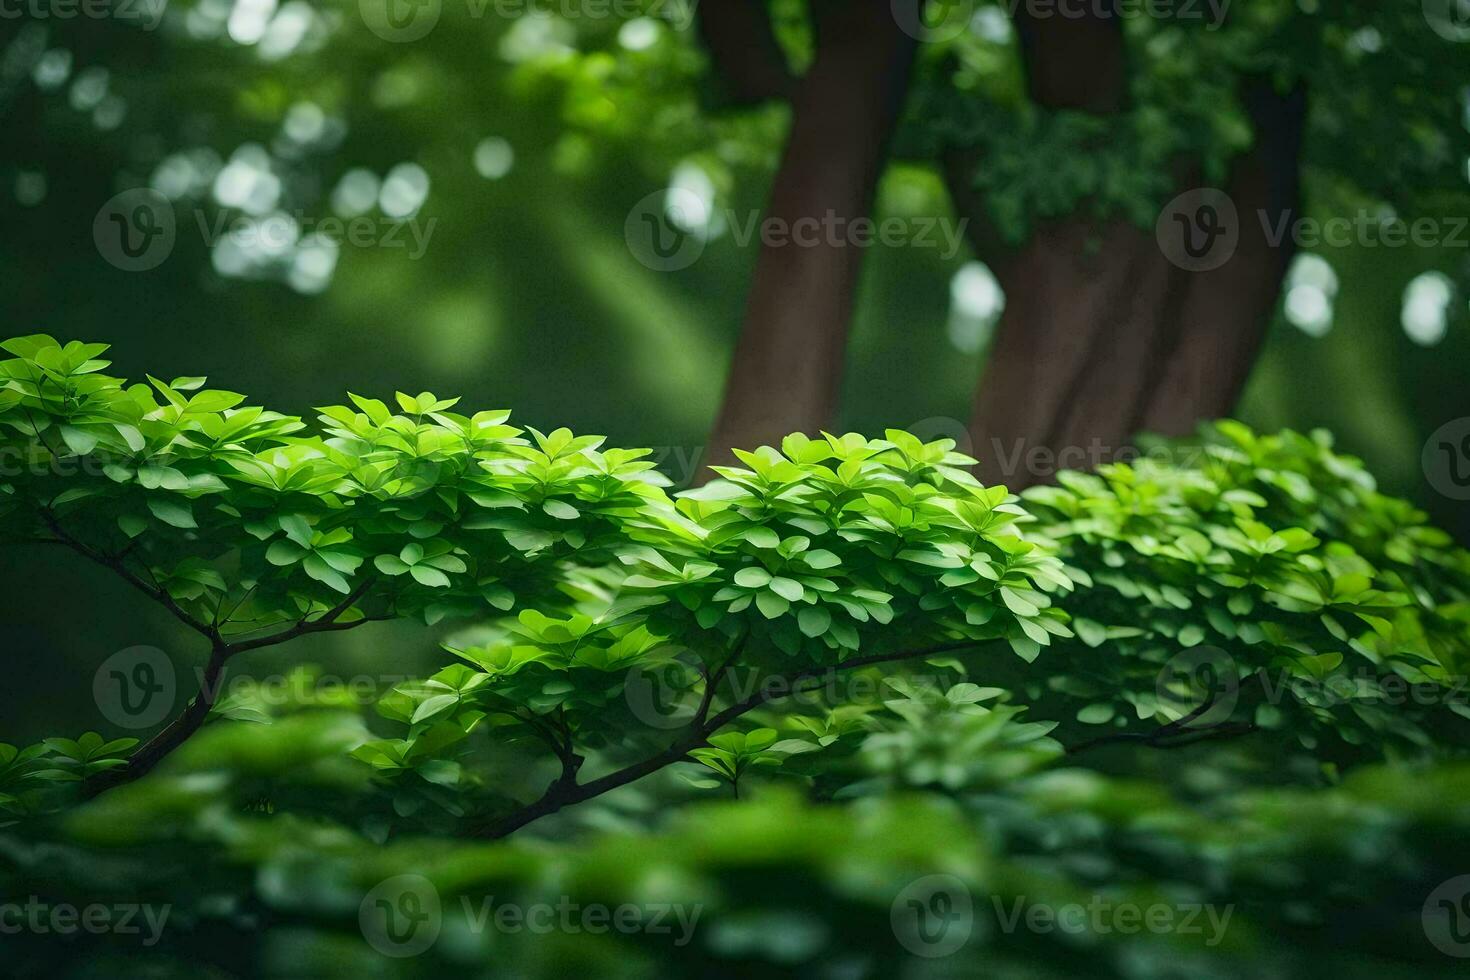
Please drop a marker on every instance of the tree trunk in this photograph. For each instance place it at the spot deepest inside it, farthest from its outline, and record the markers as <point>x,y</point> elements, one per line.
<point>1103,335</point>
<point>787,368</point>
<point>1223,319</point>
<point>749,67</point>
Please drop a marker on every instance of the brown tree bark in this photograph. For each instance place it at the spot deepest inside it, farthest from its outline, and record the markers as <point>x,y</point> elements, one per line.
<point>787,368</point>
<point>1103,336</point>
<point>1223,319</point>
<point>748,63</point>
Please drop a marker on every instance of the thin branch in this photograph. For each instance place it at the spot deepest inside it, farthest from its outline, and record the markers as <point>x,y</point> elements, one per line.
<point>562,795</point>
<point>196,713</point>
<point>327,622</point>
<point>1176,734</point>
<point>176,733</point>
<point>712,680</point>
<point>154,591</point>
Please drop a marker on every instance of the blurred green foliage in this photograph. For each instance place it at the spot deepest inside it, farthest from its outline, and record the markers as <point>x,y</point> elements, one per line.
<point>1299,827</point>
<point>517,145</point>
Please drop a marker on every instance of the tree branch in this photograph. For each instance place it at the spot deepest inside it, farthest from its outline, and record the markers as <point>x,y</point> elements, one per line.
<point>178,731</point>
<point>712,680</point>
<point>1174,735</point>
<point>155,592</point>
<point>561,795</point>
<point>196,713</point>
<point>325,623</point>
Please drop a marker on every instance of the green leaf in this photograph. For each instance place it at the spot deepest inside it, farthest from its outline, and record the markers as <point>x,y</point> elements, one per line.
<point>561,510</point>
<point>820,558</point>
<point>172,512</point>
<point>79,441</point>
<point>787,589</point>
<point>762,537</point>
<point>390,565</point>
<point>432,577</point>
<point>771,605</point>
<point>1026,648</point>
<point>319,570</point>
<point>752,577</point>
<point>813,620</point>
<point>432,706</point>
<point>283,552</point>
<point>1016,604</point>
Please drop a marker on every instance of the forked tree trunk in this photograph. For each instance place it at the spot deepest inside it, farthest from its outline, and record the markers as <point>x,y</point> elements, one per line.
<point>1102,336</point>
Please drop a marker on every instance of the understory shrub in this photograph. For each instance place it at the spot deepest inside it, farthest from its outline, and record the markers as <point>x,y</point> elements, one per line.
<point>843,666</point>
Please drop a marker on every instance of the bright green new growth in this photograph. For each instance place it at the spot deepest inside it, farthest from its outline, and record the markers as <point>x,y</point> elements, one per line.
<point>1279,554</point>
<point>845,555</point>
